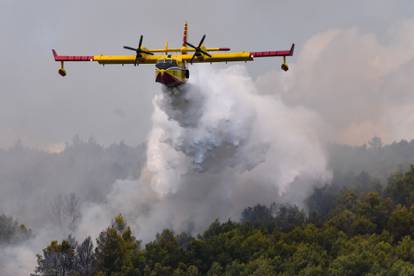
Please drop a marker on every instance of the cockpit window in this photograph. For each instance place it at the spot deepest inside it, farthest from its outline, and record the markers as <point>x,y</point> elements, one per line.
<point>166,63</point>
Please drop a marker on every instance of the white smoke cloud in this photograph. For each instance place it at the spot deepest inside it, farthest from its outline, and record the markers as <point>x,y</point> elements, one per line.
<point>215,148</point>
<point>359,83</point>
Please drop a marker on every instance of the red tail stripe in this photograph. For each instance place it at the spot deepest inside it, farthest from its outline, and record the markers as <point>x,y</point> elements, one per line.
<point>185,34</point>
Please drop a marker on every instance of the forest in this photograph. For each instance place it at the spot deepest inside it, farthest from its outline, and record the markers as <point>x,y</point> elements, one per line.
<point>361,223</point>
<point>345,232</point>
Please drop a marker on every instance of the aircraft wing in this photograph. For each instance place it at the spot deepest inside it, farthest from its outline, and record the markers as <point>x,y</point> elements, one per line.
<point>151,58</point>
<point>236,56</point>
<point>104,59</point>
<point>145,59</point>
<point>222,57</point>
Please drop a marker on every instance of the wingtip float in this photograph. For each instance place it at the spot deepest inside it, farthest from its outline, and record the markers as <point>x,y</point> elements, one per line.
<point>171,64</point>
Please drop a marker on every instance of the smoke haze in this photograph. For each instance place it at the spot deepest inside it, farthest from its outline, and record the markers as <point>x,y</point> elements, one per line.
<point>45,191</point>
<point>360,84</point>
<point>214,149</point>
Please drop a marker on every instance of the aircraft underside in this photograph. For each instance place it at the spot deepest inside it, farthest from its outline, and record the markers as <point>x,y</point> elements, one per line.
<point>171,77</point>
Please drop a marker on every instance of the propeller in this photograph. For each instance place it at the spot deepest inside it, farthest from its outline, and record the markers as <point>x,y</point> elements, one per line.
<point>138,50</point>
<point>198,51</point>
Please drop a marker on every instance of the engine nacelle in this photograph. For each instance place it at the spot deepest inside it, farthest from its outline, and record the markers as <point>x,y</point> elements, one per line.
<point>62,72</point>
<point>284,67</point>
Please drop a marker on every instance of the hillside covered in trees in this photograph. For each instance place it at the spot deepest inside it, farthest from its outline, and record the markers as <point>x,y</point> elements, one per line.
<point>359,223</point>
<point>346,231</point>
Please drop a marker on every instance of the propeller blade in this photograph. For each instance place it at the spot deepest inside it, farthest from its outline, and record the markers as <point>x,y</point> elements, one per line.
<point>138,51</point>
<point>198,51</point>
<point>148,53</point>
<point>140,42</point>
<point>207,54</point>
<point>192,58</point>
<point>201,41</point>
<point>136,60</point>
<point>191,45</point>
<point>130,48</point>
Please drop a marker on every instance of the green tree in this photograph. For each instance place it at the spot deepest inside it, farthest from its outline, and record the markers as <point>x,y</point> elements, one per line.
<point>400,187</point>
<point>85,261</point>
<point>164,250</point>
<point>401,268</point>
<point>258,215</point>
<point>117,249</point>
<point>215,270</point>
<point>364,254</point>
<point>401,222</point>
<point>343,221</point>
<point>57,259</point>
<point>405,249</point>
<point>253,245</point>
<point>11,231</point>
<point>287,216</point>
<point>260,267</point>
<point>375,208</point>
<point>307,257</point>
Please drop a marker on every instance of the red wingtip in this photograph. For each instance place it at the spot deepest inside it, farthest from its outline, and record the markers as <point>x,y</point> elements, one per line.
<point>292,49</point>
<point>54,53</point>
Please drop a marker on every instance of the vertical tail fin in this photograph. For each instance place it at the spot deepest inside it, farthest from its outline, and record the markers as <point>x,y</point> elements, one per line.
<point>185,34</point>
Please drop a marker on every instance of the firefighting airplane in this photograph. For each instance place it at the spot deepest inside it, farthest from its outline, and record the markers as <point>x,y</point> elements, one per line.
<point>171,69</point>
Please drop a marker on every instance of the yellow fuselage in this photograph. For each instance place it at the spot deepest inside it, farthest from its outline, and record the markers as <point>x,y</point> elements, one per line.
<point>170,72</point>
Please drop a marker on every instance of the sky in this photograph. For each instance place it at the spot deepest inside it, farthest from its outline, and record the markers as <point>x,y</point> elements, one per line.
<point>113,103</point>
